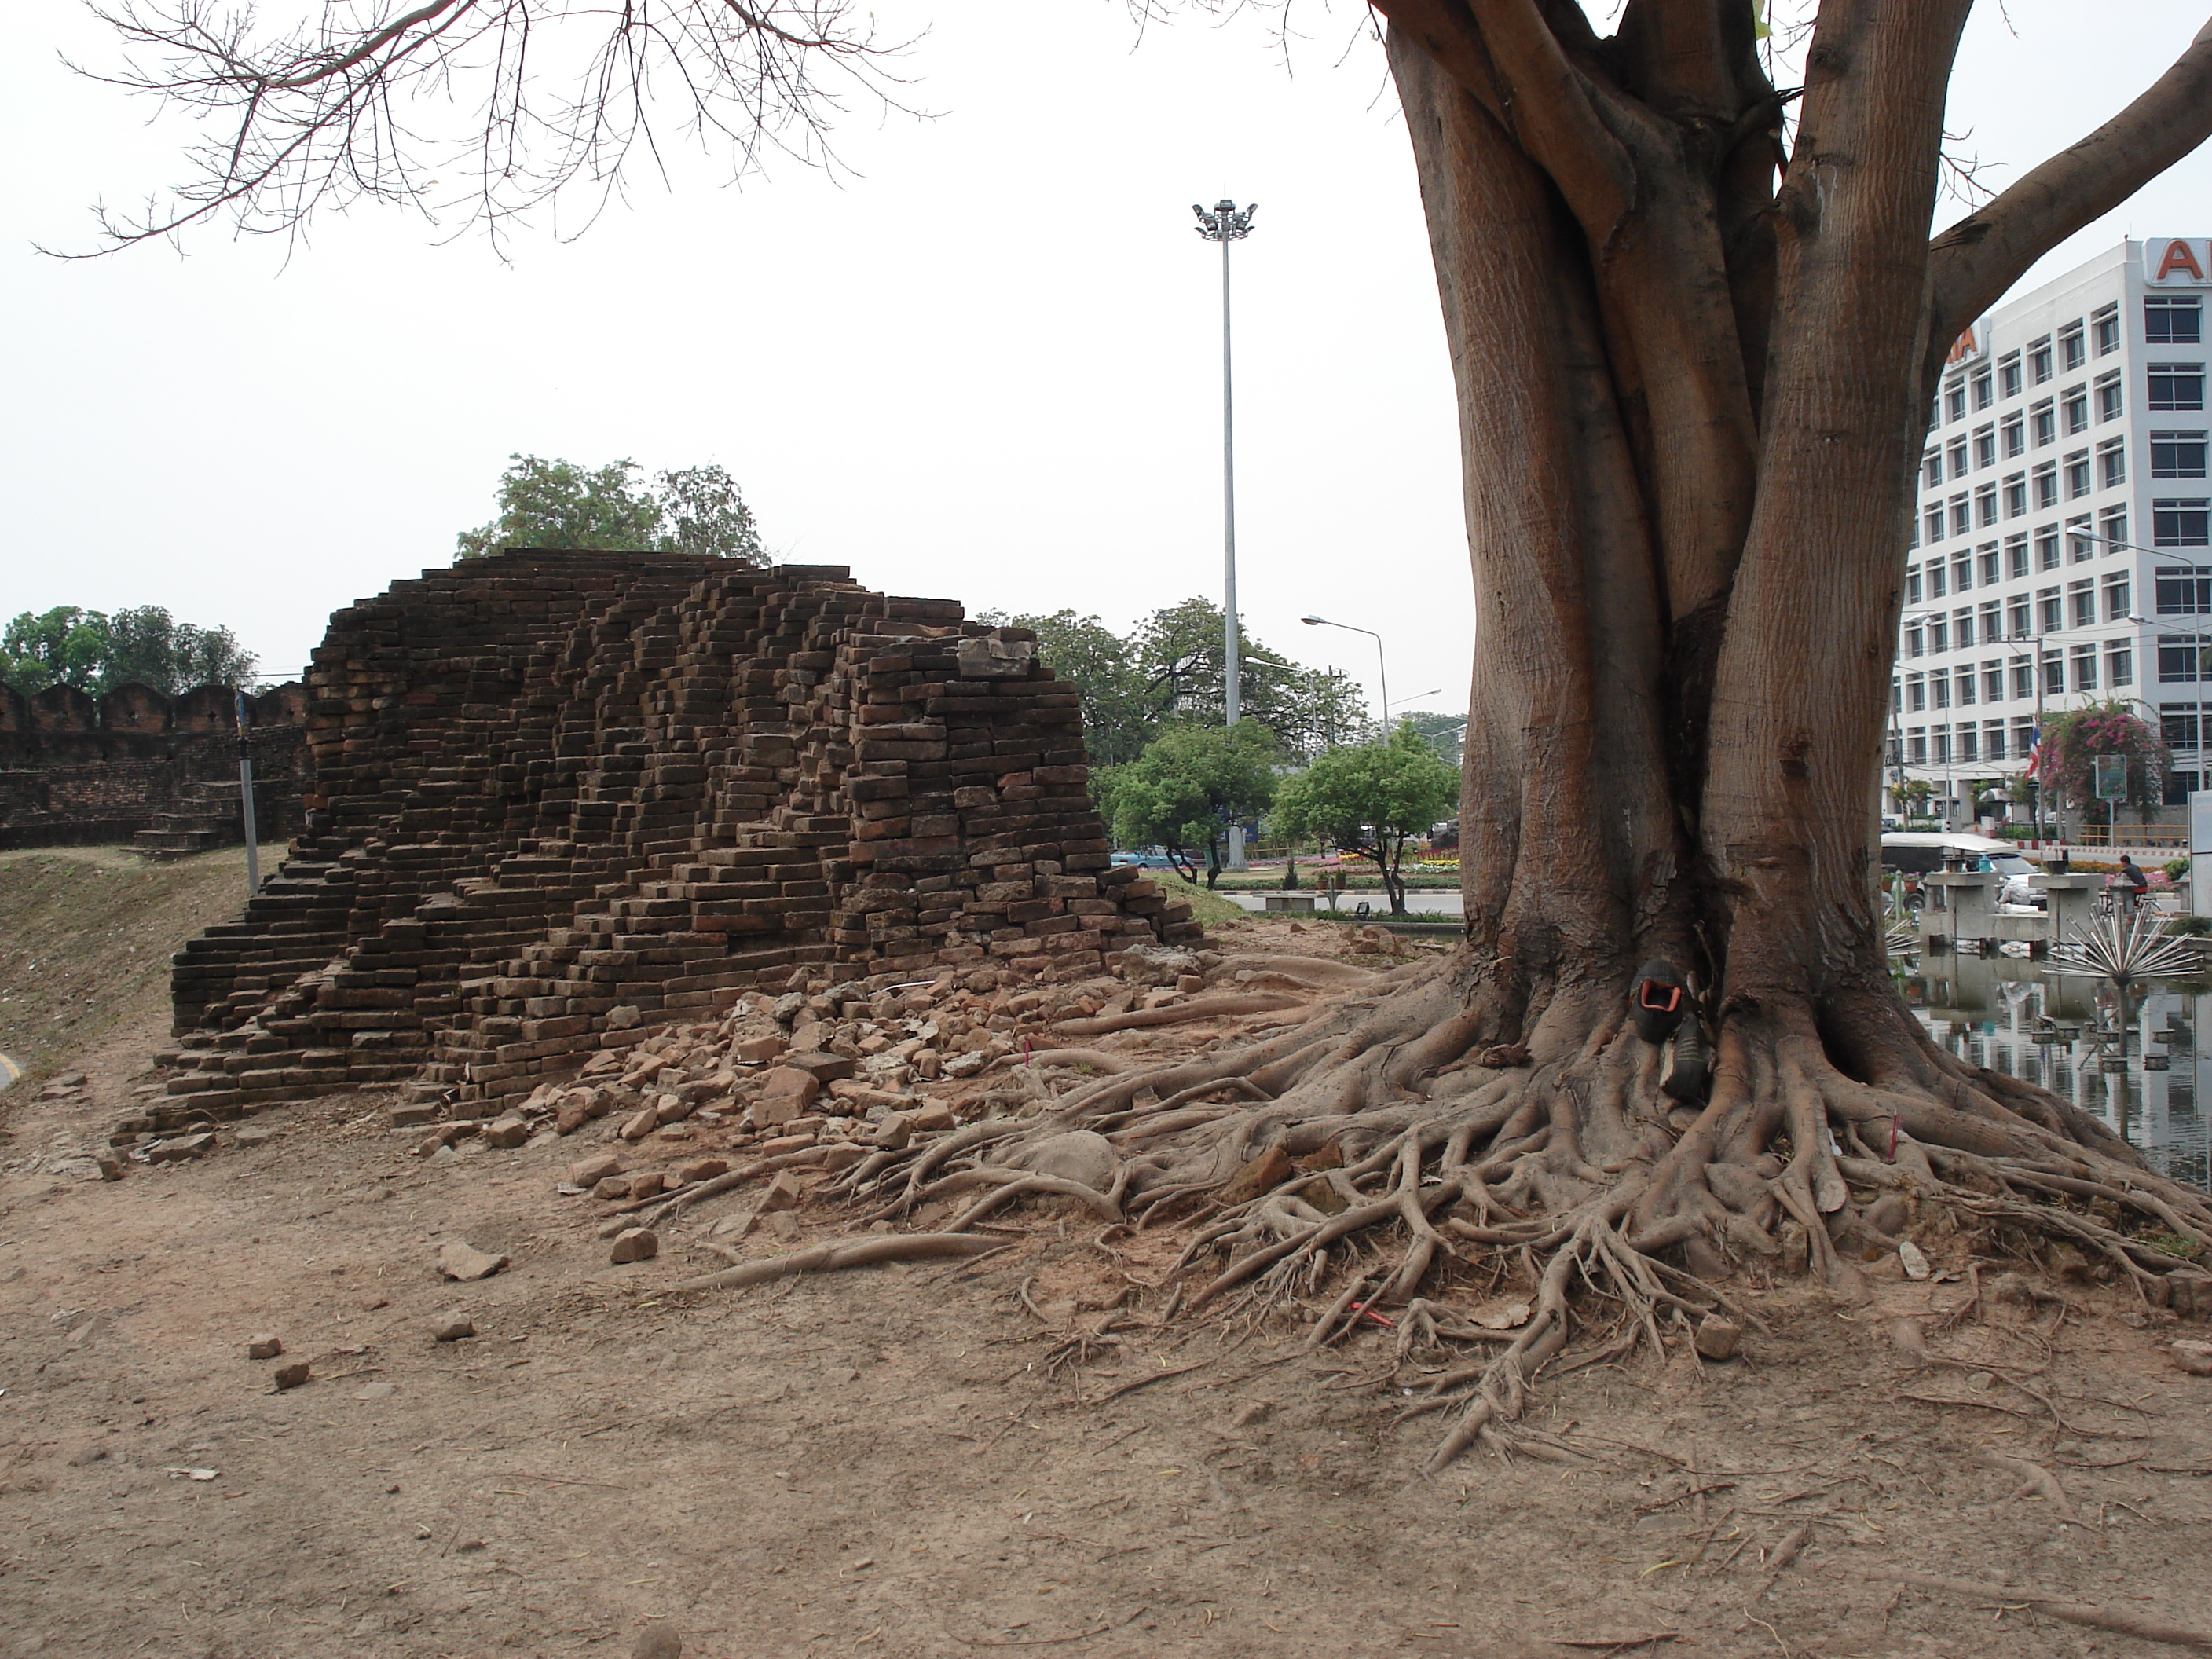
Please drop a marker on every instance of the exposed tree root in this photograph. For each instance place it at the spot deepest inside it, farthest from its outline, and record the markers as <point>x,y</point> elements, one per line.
<point>1423,1132</point>
<point>2056,1606</point>
<point>846,1253</point>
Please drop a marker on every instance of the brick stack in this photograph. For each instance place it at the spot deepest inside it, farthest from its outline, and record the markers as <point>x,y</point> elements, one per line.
<point>562,798</point>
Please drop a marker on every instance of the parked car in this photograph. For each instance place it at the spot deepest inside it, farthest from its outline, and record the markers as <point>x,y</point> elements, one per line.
<point>1151,858</point>
<point>1914,852</point>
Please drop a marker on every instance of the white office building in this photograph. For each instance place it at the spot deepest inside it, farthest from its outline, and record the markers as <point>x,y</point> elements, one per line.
<point>2062,551</point>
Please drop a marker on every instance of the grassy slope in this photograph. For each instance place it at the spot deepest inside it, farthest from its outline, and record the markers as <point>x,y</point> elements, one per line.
<point>86,934</point>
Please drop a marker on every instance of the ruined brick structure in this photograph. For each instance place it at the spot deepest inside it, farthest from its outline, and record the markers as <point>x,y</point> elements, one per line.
<point>77,770</point>
<point>559,798</point>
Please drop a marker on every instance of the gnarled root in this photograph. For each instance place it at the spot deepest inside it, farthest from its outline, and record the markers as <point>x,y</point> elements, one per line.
<point>1432,1129</point>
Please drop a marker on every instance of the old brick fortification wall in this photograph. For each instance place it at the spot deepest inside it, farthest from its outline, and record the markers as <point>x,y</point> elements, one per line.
<point>562,798</point>
<point>76,770</point>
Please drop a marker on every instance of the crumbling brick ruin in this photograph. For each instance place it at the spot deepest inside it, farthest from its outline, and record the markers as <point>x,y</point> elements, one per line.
<point>79,769</point>
<point>559,799</point>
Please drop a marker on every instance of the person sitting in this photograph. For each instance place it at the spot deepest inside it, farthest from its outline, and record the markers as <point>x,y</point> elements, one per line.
<point>2129,883</point>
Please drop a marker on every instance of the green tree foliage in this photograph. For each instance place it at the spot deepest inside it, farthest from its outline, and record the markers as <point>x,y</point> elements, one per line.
<point>1373,800</point>
<point>1170,669</point>
<point>1188,787</point>
<point>1446,734</point>
<point>546,503</point>
<point>2073,741</point>
<point>94,652</point>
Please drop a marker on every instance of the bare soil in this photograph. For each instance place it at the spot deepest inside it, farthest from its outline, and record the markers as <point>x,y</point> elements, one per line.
<point>927,1460</point>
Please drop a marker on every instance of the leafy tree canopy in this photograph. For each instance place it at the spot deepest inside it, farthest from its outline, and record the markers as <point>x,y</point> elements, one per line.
<point>1189,785</point>
<point>94,652</point>
<point>2073,741</point>
<point>1374,800</point>
<point>546,503</point>
<point>1171,667</point>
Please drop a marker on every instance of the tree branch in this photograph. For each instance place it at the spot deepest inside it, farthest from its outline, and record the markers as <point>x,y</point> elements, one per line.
<point>1551,110</point>
<point>1976,260</point>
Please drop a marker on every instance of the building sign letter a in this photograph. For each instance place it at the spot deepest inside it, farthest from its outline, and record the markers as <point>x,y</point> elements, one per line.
<point>2180,256</point>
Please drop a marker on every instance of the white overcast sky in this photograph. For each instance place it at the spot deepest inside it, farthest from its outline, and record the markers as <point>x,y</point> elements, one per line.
<point>983,365</point>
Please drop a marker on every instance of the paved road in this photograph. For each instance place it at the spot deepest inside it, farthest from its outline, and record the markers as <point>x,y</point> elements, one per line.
<point>1419,904</point>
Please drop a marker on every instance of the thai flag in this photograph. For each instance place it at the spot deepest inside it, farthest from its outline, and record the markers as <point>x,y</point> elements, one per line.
<point>2034,751</point>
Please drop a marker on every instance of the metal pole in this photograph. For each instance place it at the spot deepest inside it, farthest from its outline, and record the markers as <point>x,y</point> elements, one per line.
<point>1229,630</point>
<point>245,801</point>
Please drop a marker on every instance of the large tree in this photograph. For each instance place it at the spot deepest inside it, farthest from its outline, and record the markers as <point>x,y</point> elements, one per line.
<point>1696,321</point>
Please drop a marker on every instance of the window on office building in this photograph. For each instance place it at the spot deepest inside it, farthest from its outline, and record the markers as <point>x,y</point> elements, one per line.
<point>1912,584</point>
<point>2023,735</point>
<point>2048,612</point>
<point>1962,516</point>
<point>1915,747</point>
<point>1916,642</point>
<point>2176,386</point>
<point>2039,360</point>
<point>2114,526</point>
<point>1938,578</point>
<point>2008,375</point>
<point>1916,693</point>
<point>2023,681</point>
<point>2116,597</point>
<point>1959,458</point>
<point>1962,631</point>
<point>1932,467</point>
<point>2177,454</point>
<point>1939,749</point>
<point>1962,573</point>
<point>1939,634</point>
<point>2184,589</point>
<point>2015,496</point>
<point>2183,523</point>
<point>1954,401</point>
<point>2112,463</point>
<point>1968,683</point>
<point>2015,553</point>
<point>2054,675</point>
<point>1992,681</point>
<point>2120,666</point>
<point>2072,351</point>
<point>2105,325</point>
<point>1986,507</point>
<point>1970,748</point>
<point>2014,433</point>
<point>2043,424</point>
<point>1931,522</point>
<point>1992,623</point>
<point>2079,540</point>
<point>1939,690</point>
<point>2047,485</point>
<point>1985,390</point>
<point>2178,723</point>
<point>2046,548</point>
<point>2016,615</point>
<point>2077,475</point>
<point>2085,668</point>
<point>2076,409</point>
<point>1985,445</point>
<point>2180,786</point>
<point>1987,555</point>
<point>2081,600</point>
<point>1993,740</point>
<point>2111,397</point>
<point>2173,319</point>
<point>2184,659</point>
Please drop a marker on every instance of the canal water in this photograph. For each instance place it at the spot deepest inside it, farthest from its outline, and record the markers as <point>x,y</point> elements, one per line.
<point>1988,1010</point>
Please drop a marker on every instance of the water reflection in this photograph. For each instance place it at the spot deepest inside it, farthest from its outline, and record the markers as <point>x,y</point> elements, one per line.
<point>1986,1010</point>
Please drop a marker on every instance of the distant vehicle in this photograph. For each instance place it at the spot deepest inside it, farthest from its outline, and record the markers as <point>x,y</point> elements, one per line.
<point>1150,859</point>
<point>1923,852</point>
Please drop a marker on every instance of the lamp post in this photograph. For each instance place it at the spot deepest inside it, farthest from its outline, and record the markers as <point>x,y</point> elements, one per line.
<point>1381,671</point>
<point>1226,222</point>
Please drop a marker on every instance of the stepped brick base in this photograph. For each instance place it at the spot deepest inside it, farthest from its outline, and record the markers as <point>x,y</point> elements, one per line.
<point>561,799</point>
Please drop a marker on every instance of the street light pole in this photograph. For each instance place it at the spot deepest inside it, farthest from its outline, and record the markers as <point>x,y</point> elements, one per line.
<point>1225,223</point>
<point>1381,668</point>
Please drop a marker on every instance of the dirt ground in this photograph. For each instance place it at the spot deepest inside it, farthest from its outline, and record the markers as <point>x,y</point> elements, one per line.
<point>883,1461</point>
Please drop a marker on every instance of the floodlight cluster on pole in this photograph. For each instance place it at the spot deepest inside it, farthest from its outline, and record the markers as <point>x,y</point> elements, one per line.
<point>1226,222</point>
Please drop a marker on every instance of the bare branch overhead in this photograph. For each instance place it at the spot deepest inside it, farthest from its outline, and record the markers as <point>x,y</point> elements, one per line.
<point>490,107</point>
<point>1975,260</point>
